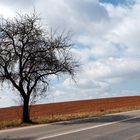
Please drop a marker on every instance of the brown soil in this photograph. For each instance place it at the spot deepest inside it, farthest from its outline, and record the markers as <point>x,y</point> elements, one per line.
<point>64,108</point>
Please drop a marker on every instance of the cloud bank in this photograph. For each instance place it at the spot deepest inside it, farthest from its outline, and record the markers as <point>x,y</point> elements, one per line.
<point>107,43</point>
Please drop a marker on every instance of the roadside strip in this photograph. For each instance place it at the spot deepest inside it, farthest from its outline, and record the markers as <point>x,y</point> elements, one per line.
<point>86,128</point>
<point>41,125</point>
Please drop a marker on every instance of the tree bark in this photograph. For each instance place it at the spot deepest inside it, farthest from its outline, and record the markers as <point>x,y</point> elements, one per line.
<point>26,113</point>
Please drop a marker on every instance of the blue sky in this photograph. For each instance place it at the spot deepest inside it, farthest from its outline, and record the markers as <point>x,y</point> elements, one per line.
<point>106,34</point>
<point>118,2</point>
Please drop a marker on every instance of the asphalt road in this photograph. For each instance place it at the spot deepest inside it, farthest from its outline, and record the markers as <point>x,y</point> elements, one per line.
<point>120,126</point>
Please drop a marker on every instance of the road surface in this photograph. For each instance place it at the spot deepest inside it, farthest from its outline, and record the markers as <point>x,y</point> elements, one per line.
<point>119,126</point>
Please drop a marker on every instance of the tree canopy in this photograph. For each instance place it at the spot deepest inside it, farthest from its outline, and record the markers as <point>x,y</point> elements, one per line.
<point>30,54</point>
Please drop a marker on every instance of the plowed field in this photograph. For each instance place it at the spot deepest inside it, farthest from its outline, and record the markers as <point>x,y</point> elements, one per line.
<point>73,107</point>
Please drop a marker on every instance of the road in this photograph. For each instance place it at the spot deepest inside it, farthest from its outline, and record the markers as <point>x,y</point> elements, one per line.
<point>119,126</point>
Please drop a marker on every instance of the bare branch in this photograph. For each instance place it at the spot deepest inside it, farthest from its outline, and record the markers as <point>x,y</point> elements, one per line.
<point>29,55</point>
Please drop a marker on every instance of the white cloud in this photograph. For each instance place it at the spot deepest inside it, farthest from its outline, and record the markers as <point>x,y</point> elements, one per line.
<point>107,39</point>
<point>113,67</point>
<point>127,30</point>
<point>5,11</point>
<point>17,3</point>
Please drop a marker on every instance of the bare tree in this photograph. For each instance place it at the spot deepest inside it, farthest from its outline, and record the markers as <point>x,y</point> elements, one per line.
<point>29,55</point>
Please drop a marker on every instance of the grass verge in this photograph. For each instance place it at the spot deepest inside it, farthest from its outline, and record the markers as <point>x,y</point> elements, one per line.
<point>66,117</point>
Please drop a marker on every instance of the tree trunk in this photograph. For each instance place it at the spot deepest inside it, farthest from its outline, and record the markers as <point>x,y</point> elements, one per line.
<point>26,113</point>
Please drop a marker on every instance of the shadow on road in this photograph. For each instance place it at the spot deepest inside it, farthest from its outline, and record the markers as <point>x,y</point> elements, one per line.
<point>103,119</point>
<point>17,139</point>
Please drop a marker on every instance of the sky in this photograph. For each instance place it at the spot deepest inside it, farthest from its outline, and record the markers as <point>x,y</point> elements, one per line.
<point>106,37</point>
